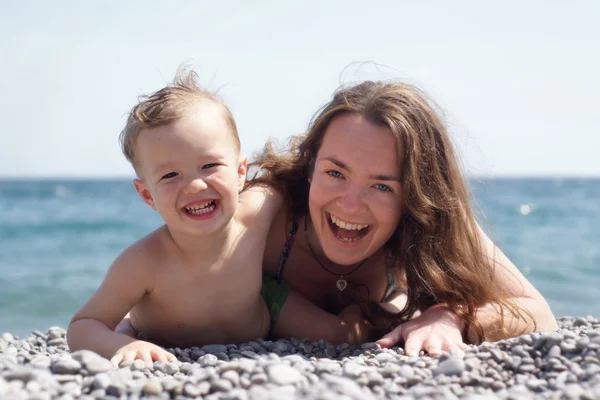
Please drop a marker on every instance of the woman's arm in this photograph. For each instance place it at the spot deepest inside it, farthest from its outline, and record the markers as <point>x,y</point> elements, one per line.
<point>438,328</point>
<point>521,293</point>
<point>301,319</point>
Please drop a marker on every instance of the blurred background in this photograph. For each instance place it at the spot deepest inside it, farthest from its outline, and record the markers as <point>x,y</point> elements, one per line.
<point>517,84</point>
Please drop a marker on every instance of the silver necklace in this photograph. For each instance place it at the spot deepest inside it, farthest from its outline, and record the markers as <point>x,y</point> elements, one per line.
<point>341,283</point>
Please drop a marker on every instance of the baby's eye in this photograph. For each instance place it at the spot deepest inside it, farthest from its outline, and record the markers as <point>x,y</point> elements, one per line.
<point>334,174</point>
<point>209,166</point>
<point>169,175</point>
<point>383,188</point>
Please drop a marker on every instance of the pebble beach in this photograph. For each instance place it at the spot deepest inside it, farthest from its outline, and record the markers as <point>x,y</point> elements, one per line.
<point>556,365</point>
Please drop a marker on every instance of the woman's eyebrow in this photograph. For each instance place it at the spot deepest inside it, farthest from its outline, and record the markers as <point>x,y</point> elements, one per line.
<point>378,177</point>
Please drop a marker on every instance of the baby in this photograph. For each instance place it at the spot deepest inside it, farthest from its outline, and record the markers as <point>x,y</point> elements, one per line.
<point>198,278</point>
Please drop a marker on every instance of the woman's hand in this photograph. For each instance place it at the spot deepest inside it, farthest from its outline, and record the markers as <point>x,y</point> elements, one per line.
<point>140,350</point>
<point>437,329</point>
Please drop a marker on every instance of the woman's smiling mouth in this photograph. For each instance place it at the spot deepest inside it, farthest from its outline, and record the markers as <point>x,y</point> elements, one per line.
<point>347,231</point>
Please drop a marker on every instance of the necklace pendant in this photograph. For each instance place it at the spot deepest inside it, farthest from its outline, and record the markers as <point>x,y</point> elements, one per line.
<point>341,284</point>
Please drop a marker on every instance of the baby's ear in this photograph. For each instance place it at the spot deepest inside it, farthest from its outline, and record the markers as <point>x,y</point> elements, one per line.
<point>144,193</point>
<point>242,170</point>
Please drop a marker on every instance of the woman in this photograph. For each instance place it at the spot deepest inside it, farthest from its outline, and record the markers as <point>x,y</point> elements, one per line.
<point>377,213</point>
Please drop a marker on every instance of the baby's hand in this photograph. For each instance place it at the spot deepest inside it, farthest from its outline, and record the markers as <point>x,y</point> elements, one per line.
<point>140,350</point>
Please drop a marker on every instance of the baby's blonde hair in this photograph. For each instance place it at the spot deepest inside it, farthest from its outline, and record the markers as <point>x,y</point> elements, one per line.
<point>168,105</point>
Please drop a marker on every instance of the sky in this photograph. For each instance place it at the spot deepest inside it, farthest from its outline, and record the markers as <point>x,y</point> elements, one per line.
<point>518,81</point>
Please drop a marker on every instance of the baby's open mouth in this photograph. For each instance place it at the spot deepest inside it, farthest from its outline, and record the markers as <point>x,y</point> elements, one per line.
<point>199,209</point>
<point>347,231</point>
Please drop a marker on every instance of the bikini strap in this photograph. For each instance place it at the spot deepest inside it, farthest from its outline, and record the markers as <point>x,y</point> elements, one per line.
<point>289,242</point>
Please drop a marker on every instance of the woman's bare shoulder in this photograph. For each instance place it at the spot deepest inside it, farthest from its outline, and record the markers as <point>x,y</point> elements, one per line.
<point>276,238</point>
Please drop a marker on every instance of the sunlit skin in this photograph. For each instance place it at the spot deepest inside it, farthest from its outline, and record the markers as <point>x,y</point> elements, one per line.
<point>197,279</point>
<point>356,180</point>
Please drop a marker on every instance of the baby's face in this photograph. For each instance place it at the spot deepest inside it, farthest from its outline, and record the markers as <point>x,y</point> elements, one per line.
<point>191,171</point>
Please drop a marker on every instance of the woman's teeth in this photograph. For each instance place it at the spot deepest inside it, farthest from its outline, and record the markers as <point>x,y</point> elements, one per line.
<point>346,231</point>
<point>201,208</point>
<point>347,225</point>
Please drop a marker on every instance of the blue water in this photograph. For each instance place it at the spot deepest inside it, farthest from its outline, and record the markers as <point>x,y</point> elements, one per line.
<point>58,237</point>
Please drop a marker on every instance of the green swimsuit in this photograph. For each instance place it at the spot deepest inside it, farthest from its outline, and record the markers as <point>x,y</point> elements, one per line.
<point>275,290</point>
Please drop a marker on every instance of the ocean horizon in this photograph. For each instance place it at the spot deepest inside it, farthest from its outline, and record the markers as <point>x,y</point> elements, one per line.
<point>58,236</point>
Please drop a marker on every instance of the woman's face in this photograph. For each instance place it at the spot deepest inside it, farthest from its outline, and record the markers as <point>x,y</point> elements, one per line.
<point>355,191</point>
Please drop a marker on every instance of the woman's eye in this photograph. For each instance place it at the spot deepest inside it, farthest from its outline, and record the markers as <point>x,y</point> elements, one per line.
<point>208,166</point>
<point>169,175</point>
<point>383,188</point>
<point>334,174</point>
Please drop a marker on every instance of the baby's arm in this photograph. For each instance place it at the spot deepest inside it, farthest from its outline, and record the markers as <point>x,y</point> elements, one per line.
<point>92,327</point>
<point>300,318</point>
<point>125,327</point>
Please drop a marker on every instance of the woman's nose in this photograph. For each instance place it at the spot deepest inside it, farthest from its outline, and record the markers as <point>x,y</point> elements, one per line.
<point>352,199</point>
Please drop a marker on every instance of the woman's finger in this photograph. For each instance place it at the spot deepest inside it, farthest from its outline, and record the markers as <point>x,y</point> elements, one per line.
<point>413,346</point>
<point>390,339</point>
<point>433,348</point>
<point>455,349</point>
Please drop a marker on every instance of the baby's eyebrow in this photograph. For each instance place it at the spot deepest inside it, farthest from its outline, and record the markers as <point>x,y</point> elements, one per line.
<point>378,177</point>
<point>162,167</point>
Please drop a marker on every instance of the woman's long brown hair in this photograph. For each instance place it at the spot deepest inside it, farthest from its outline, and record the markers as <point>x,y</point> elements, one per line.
<point>437,245</point>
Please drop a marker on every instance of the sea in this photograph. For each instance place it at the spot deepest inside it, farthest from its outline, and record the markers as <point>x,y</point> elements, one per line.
<point>58,238</point>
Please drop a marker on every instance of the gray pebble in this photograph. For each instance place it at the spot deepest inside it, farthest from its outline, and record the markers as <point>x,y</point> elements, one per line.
<point>171,368</point>
<point>65,366</point>
<point>452,366</point>
<point>138,365</point>
<point>101,381</point>
<point>98,365</point>
<point>562,364</point>
<point>152,387</point>
<point>191,390</point>
<point>207,360</point>
<point>221,385</point>
<point>282,374</point>
<point>232,376</point>
<point>214,348</point>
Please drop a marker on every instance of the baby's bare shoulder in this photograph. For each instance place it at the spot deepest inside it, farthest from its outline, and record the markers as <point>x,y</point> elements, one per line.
<point>146,253</point>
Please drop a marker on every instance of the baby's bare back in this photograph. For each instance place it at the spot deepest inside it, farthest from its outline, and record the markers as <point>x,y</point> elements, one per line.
<point>199,302</point>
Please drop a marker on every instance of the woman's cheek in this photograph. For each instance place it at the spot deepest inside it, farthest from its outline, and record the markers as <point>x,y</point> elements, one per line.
<point>388,204</point>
